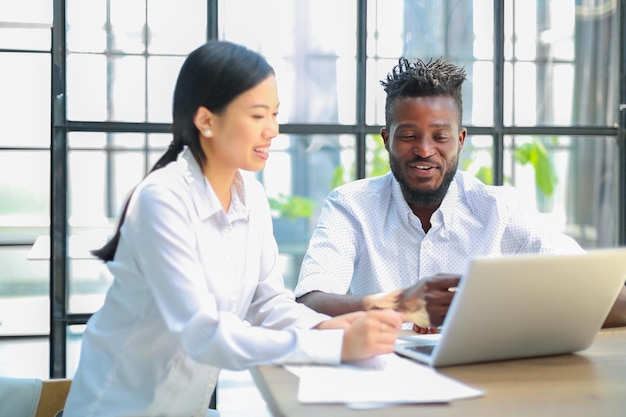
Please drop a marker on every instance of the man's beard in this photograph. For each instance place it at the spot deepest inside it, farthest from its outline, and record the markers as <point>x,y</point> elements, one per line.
<point>428,198</point>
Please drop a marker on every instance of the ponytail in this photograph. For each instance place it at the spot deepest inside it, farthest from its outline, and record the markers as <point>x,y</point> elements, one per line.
<point>212,76</point>
<point>107,252</point>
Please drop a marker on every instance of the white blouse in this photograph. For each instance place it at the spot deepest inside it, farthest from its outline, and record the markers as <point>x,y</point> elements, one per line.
<point>195,289</point>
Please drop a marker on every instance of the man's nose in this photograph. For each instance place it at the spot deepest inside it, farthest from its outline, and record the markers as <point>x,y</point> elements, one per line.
<point>423,147</point>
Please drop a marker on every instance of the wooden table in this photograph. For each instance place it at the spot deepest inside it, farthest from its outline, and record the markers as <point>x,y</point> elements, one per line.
<point>591,383</point>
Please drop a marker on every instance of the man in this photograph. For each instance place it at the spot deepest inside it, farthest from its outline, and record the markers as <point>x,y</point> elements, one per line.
<point>402,240</point>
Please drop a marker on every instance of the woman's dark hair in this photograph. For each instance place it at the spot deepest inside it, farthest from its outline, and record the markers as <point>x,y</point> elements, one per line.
<point>212,76</point>
<point>422,79</point>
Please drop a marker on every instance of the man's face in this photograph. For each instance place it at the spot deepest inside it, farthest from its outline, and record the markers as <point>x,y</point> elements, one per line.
<point>424,141</point>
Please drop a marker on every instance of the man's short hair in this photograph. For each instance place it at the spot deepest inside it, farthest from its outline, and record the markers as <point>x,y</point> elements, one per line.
<point>419,79</point>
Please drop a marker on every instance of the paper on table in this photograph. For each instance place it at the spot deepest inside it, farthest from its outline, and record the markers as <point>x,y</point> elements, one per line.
<point>381,381</point>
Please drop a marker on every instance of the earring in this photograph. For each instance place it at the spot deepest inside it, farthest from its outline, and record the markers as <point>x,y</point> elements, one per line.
<point>208,133</point>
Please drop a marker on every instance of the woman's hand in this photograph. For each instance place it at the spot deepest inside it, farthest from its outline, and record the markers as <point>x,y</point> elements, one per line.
<point>369,333</point>
<point>343,321</point>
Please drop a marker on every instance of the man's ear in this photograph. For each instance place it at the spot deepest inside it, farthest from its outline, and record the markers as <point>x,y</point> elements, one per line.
<point>462,135</point>
<point>203,119</point>
<point>385,135</point>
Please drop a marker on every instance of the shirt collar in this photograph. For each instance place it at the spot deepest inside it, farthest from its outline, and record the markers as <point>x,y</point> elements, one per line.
<point>445,211</point>
<point>204,197</point>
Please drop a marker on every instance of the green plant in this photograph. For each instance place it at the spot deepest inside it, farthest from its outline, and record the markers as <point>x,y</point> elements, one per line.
<point>533,153</point>
<point>291,207</point>
<point>536,154</point>
<point>379,164</point>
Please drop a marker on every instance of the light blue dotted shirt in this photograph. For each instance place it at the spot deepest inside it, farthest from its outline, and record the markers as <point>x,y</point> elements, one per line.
<point>368,240</point>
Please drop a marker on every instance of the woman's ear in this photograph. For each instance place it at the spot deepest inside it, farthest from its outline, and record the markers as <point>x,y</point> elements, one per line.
<point>203,120</point>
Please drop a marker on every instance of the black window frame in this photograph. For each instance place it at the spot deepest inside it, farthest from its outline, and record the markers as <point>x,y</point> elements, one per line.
<point>60,318</point>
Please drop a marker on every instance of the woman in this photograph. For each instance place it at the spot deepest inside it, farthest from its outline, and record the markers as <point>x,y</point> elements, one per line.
<point>196,284</point>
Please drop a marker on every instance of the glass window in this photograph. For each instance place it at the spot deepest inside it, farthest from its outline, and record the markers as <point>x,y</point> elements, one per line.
<point>560,68</point>
<point>461,31</point>
<point>25,39</point>
<point>166,18</point>
<point>561,63</point>
<point>101,179</point>
<point>25,105</point>
<point>123,57</point>
<point>24,289</point>
<point>376,156</point>
<point>26,11</point>
<point>477,157</point>
<point>301,171</point>
<point>25,195</point>
<point>315,68</point>
<point>573,180</point>
<point>25,36</point>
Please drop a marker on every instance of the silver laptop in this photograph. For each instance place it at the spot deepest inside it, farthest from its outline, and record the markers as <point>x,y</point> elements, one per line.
<point>523,306</point>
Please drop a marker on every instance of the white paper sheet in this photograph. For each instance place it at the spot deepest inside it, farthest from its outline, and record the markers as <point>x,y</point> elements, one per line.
<point>382,381</point>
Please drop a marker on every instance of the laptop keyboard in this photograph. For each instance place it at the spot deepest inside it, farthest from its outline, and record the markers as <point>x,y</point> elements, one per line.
<point>426,349</point>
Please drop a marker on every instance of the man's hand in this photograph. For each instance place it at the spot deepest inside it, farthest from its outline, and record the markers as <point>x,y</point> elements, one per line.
<point>426,302</point>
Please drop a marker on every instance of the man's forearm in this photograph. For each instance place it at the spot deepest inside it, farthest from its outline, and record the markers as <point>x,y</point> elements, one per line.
<point>337,304</point>
<point>332,304</point>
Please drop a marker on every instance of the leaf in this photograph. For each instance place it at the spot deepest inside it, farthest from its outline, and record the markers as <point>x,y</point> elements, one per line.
<point>537,155</point>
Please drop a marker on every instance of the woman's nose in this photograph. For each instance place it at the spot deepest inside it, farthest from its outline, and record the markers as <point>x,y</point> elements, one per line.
<point>272,129</point>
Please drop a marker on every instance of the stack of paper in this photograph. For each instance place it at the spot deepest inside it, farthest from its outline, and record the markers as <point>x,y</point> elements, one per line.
<point>382,381</point>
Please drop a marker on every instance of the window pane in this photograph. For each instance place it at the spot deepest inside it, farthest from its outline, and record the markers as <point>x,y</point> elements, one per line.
<point>165,20</point>
<point>26,11</point>
<point>562,63</point>
<point>161,79</point>
<point>89,278</point>
<point>33,37</point>
<point>25,104</point>
<point>301,171</point>
<point>24,307</point>
<point>477,157</point>
<point>310,63</point>
<point>104,169</point>
<point>87,87</point>
<point>86,26</point>
<point>24,182</point>
<point>573,180</point>
<point>100,183</point>
<point>127,88</point>
<point>116,75</point>
<point>376,157</point>
<point>73,343</point>
<point>24,195</point>
<point>25,358</point>
<point>127,23</point>
<point>460,30</point>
